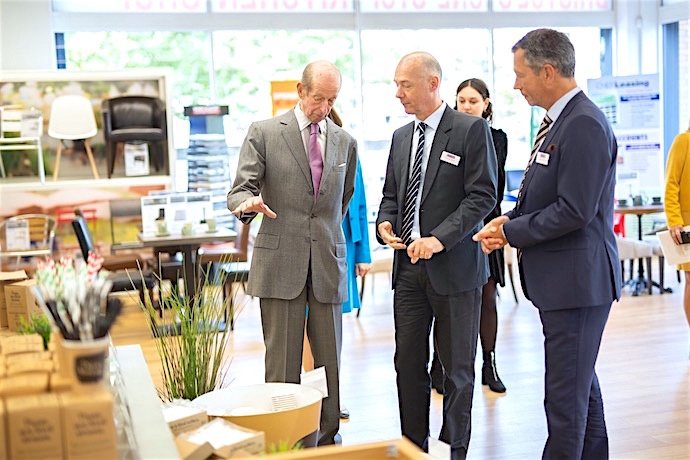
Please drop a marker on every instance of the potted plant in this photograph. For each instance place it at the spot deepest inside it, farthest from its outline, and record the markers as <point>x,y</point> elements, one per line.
<point>193,349</point>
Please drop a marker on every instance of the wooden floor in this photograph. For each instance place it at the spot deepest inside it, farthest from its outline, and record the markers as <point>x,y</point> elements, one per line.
<point>643,368</point>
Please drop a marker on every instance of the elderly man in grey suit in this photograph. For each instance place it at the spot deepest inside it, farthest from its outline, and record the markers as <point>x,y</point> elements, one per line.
<point>298,169</point>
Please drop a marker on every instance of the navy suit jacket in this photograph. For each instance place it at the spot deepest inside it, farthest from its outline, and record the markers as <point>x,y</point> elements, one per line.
<point>455,199</point>
<point>564,221</point>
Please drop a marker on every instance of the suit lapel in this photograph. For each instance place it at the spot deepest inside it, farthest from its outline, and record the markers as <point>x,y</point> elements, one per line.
<point>293,138</point>
<point>553,133</point>
<point>406,147</point>
<point>440,141</point>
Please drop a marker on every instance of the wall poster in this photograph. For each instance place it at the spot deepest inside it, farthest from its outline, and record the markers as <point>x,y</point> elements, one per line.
<point>633,107</point>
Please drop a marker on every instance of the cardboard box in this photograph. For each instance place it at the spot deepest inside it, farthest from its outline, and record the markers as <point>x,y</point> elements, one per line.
<point>7,278</point>
<point>27,343</point>
<point>190,451</point>
<point>24,384</point>
<point>228,440</point>
<point>88,427</point>
<point>33,427</point>
<point>182,418</point>
<point>3,440</point>
<point>20,302</point>
<point>401,449</point>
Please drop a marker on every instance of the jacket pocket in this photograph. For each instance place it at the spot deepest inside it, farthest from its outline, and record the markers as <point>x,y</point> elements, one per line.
<point>340,250</point>
<point>268,241</point>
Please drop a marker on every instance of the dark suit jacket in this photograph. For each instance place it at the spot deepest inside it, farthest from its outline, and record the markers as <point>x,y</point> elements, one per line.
<point>564,222</point>
<point>455,199</point>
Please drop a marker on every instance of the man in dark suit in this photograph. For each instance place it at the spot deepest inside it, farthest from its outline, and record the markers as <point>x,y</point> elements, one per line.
<point>562,226</point>
<point>429,212</point>
<point>299,252</point>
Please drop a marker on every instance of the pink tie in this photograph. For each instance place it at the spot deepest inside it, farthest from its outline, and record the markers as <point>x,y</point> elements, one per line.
<point>315,160</point>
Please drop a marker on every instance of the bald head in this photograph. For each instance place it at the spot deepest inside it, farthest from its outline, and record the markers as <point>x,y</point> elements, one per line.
<point>418,78</point>
<point>424,61</point>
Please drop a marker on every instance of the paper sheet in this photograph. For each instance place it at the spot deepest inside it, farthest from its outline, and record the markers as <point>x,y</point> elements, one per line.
<point>674,253</point>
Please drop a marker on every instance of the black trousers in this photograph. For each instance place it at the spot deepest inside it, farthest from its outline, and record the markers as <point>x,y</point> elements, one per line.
<point>416,304</point>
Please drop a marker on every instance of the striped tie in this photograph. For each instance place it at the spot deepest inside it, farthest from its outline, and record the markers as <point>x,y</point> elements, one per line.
<point>541,134</point>
<point>413,188</point>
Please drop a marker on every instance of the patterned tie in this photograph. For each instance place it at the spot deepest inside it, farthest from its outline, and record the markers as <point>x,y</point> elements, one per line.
<point>413,188</point>
<point>315,159</point>
<point>541,134</point>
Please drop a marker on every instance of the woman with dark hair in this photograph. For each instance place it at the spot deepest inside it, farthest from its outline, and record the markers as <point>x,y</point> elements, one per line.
<point>472,97</point>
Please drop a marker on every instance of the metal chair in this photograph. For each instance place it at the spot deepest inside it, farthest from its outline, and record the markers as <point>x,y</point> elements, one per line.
<point>381,262</point>
<point>134,119</point>
<point>27,235</point>
<point>235,265</point>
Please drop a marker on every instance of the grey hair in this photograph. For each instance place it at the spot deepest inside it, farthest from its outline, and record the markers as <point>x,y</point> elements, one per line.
<point>548,46</point>
<point>316,67</point>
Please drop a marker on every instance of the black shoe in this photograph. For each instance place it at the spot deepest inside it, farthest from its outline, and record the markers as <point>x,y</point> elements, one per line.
<point>490,375</point>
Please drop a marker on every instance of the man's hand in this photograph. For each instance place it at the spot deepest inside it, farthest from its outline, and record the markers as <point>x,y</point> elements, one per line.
<point>254,204</point>
<point>424,248</point>
<point>385,230</point>
<point>491,236</point>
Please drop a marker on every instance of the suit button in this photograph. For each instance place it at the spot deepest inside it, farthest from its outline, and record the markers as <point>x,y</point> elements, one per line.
<point>313,216</point>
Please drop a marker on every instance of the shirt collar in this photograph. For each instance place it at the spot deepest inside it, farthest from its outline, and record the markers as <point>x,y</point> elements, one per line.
<point>433,120</point>
<point>304,122</point>
<point>555,111</point>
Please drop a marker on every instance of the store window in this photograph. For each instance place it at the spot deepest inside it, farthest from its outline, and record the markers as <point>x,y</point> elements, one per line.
<point>103,51</point>
<point>239,70</point>
<point>683,72</point>
<point>246,62</point>
<point>511,111</point>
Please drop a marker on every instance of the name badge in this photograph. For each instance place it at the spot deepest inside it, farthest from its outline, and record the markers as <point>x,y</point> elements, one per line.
<point>450,158</point>
<point>543,158</point>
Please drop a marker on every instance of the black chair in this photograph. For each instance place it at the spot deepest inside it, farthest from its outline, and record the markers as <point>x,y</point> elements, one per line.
<point>127,280</point>
<point>132,119</point>
<point>234,265</point>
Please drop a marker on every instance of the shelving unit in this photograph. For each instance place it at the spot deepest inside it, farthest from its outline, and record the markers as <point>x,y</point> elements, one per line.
<point>23,143</point>
<point>21,129</point>
<point>208,159</point>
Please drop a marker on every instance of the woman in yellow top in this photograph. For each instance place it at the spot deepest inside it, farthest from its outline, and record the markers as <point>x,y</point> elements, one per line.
<point>677,200</point>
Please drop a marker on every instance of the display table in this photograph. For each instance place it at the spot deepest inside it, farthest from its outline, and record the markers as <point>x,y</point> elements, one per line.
<point>188,245</point>
<point>153,438</point>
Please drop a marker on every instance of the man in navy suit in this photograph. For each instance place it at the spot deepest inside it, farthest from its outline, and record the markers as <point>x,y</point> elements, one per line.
<point>562,227</point>
<point>438,270</point>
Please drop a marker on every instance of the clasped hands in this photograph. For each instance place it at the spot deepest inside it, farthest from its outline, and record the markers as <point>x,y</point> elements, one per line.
<point>254,204</point>
<point>491,236</point>
<point>421,248</point>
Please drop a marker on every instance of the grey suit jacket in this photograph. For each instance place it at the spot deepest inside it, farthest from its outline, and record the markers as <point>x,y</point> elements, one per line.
<point>307,233</point>
<point>455,198</point>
